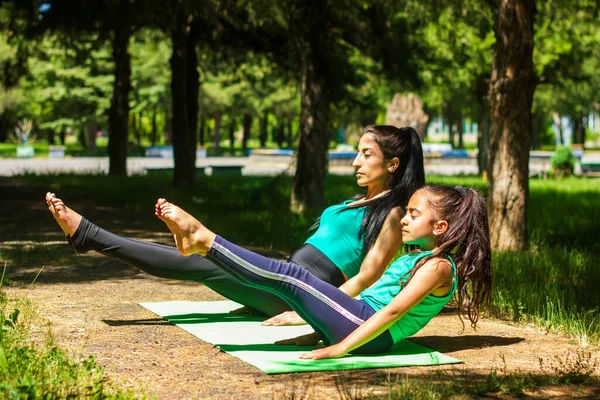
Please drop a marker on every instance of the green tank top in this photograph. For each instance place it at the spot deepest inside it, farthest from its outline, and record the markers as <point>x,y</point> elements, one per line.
<point>387,287</point>
<point>337,237</point>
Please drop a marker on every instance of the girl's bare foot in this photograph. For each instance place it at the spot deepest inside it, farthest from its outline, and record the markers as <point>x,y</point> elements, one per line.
<point>67,219</point>
<point>189,234</point>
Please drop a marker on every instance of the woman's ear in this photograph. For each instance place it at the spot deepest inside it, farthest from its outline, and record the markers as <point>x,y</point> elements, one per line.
<point>440,227</point>
<point>394,164</point>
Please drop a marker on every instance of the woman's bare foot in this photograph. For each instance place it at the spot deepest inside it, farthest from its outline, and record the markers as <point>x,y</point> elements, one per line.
<point>67,219</point>
<point>190,235</point>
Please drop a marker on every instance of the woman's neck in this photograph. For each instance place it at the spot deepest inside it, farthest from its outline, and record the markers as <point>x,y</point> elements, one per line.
<point>374,193</point>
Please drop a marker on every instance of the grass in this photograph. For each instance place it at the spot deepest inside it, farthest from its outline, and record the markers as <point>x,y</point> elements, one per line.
<point>36,368</point>
<point>570,374</point>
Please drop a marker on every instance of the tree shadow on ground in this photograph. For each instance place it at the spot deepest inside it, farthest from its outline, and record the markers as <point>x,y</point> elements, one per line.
<point>449,344</point>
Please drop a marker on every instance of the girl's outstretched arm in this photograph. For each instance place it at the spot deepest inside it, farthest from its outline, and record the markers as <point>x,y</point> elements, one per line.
<point>374,264</point>
<point>436,273</point>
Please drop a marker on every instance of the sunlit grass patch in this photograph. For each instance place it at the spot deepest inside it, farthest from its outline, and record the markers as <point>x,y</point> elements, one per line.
<point>555,288</point>
<point>33,366</point>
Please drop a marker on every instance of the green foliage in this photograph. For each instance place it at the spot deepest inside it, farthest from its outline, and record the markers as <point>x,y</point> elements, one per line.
<point>563,161</point>
<point>459,51</point>
<point>32,369</point>
<point>68,84</point>
<point>254,86</point>
<point>566,58</point>
<point>150,95</point>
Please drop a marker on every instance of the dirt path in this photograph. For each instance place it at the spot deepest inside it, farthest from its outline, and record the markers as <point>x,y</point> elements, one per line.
<point>91,303</point>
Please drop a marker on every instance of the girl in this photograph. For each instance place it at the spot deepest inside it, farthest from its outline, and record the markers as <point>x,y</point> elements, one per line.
<point>354,243</point>
<point>449,225</point>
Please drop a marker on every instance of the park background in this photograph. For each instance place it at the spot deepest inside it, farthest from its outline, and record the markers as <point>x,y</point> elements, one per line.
<point>495,79</point>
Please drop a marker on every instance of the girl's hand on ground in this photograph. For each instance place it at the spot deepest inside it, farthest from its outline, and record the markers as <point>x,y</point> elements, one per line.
<point>305,340</point>
<point>285,318</point>
<point>335,351</point>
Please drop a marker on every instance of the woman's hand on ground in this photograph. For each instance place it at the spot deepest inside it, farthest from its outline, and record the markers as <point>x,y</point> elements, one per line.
<point>285,318</point>
<point>335,351</point>
<point>305,340</point>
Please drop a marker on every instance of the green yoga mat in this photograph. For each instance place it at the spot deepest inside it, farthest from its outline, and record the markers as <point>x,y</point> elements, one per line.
<point>243,337</point>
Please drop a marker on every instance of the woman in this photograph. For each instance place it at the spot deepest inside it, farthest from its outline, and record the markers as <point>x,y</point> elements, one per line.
<point>352,246</point>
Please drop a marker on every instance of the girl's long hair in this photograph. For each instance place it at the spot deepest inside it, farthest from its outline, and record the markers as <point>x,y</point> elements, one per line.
<point>405,144</point>
<point>467,241</point>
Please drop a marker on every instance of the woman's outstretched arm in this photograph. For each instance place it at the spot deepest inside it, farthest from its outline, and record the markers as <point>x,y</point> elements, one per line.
<point>434,274</point>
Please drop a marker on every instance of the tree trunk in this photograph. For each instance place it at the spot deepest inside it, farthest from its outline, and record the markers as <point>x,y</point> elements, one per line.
<point>168,127</point>
<point>459,124</point>
<point>264,129</point>
<point>290,134</point>
<point>231,133</point>
<point>135,125</point>
<point>202,131</point>
<point>246,135</point>
<point>578,130</point>
<point>153,133</point>
<point>450,122</point>
<point>483,134</point>
<point>511,96</point>
<point>193,89</point>
<point>184,151</point>
<point>280,132</point>
<point>81,135</point>
<point>140,126</point>
<point>91,128</point>
<point>4,128</point>
<point>537,124</point>
<point>308,190</point>
<point>217,132</point>
<point>118,115</point>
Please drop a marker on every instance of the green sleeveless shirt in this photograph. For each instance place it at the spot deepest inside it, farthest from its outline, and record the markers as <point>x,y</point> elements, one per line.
<point>387,287</point>
<point>337,237</point>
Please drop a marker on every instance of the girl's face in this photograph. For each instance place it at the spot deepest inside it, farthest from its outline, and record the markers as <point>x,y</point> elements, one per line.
<point>372,169</point>
<point>419,226</point>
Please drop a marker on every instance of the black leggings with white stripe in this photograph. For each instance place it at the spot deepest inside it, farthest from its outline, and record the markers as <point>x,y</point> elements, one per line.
<point>166,262</point>
<point>332,313</point>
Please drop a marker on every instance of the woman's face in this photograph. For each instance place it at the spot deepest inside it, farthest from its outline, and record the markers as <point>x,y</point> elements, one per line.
<point>372,169</point>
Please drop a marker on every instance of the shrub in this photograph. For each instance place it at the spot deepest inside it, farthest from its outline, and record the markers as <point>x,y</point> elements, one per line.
<point>563,161</point>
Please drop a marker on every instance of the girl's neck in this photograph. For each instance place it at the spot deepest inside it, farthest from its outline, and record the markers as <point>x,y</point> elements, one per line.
<point>433,247</point>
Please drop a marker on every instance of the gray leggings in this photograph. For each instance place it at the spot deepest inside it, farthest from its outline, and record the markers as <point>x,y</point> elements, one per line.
<point>166,262</point>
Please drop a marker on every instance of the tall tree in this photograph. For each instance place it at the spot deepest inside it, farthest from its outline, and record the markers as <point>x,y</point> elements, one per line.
<point>316,39</point>
<point>14,22</point>
<point>118,115</point>
<point>150,78</point>
<point>113,20</point>
<point>69,84</point>
<point>511,95</point>
<point>184,140</point>
<point>457,66</point>
<point>567,41</point>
